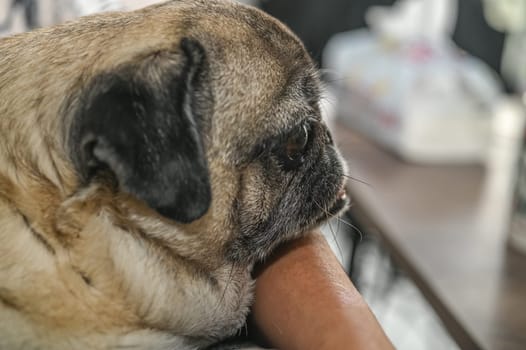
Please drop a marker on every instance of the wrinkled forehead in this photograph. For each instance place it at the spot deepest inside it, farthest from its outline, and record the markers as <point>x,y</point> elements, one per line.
<point>265,101</point>
<point>294,100</point>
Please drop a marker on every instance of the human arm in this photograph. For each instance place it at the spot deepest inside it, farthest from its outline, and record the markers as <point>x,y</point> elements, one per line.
<point>304,300</point>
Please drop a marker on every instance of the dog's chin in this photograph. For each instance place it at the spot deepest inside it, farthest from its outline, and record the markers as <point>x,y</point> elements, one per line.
<point>262,248</point>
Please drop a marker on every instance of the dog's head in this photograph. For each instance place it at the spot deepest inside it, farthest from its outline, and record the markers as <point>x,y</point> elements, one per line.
<point>217,124</point>
<point>159,154</point>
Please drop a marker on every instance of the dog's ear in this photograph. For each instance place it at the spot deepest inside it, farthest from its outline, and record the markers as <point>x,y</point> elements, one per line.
<point>146,124</point>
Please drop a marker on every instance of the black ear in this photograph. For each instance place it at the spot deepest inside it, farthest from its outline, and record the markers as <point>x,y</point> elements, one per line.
<point>145,123</point>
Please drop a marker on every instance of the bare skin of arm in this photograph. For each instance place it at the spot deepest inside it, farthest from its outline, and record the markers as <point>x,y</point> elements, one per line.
<point>305,301</point>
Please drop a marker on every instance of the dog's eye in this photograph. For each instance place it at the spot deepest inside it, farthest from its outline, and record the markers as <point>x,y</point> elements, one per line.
<point>294,146</point>
<point>296,142</point>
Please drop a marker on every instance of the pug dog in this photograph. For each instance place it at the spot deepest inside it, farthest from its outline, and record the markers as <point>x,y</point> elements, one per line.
<point>147,161</point>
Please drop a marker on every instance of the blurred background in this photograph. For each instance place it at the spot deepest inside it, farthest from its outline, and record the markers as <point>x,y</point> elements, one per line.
<point>435,84</point>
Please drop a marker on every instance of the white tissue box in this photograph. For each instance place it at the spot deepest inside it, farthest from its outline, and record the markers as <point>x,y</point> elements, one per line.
<point>424,103</point>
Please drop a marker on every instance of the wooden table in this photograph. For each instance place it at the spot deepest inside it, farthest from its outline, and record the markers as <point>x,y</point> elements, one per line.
<point>446,226</point>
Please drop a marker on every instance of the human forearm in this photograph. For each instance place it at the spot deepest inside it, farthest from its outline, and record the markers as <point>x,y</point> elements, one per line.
<point>304,300</point>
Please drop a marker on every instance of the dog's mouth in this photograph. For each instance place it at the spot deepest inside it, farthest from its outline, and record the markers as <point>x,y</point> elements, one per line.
<point>340,203</point>
<point>342,200</point>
